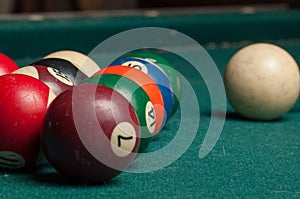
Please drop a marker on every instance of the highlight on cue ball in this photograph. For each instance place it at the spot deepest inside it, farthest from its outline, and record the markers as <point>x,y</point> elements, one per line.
<point>262,81</point>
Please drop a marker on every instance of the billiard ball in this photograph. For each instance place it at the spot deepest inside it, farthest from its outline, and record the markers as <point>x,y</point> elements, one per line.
<point>75,65</point>
<point>23,104</point>
<point>90,133</point>
<point>52,77</point>
<point>137,97</point>
<point>83,62</point>
<point>64,66</point>
<point>262,81</point>
<point>156,57</point>
<point>7,65</point>
<point>157,75</point>
<point>149,86</point>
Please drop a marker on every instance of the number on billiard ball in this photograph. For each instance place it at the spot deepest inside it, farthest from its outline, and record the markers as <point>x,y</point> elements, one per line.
<point>137,97</point>
<point>23,104</point>
<point>52,77</point>
<point>123,139</point>
<point>157,75</point>
<point>75,65</point>
<point>91,133</point>
<point>149,86</point>
<point>156,58</point>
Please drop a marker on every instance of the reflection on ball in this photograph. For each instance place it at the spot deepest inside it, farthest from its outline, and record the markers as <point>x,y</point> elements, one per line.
<point>23,104</point>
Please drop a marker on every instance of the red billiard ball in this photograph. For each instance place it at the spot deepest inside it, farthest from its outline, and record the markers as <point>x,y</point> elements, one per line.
<point>52,77</point>
<point>90,134</point>
<point>7,65</point>
<point>23,104</point>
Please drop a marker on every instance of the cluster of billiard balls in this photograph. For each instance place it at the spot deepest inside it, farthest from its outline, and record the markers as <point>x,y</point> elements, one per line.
<point>89,122</point>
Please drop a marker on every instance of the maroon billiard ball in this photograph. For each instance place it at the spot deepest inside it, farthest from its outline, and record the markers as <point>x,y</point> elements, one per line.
<point>90,133</point>
<point>7,65</point>
<point>23,104</point>
<point>52,77</point>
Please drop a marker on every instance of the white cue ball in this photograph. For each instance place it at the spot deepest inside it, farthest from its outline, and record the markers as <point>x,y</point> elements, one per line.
<point>262,81</point>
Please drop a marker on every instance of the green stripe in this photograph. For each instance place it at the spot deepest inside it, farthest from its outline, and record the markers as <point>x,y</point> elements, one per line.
<point>134,94</point>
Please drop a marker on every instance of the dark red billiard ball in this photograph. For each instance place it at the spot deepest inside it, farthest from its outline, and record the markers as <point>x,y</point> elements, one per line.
<point>137,97</point>
<point>7,65</point>
<point>23,104</point>
<point>90,134</point>
<point>52,77</point>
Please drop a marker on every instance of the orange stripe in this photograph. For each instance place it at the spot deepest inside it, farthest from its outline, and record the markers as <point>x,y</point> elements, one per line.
<point>148,85</point>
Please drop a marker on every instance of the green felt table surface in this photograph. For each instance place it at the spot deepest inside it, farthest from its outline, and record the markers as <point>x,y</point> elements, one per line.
<point>250,160</point>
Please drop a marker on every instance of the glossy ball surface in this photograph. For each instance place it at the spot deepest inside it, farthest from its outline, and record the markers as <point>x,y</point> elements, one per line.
<point>52,77</point>
<point>66,67</point>
<point>149,86</point>
<point>137,97</point>
<point>90,134</point>
<point>83,62</point>
<point>262,81</point>
<point>23,104</point>
<point>166,66</point>
<point>157,75</point>
<point>7,65</point>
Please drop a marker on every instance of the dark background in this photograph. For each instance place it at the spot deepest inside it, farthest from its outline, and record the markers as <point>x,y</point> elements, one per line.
<point>86,5</point>
<point>180,3</point>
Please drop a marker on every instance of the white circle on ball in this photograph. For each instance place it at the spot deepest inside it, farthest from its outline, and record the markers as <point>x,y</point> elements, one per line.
<point>123,139</point>
<point>11,160</point>
<point>60,76</point>
<point>137,65</point>
<point>172,41</point>
<point>150,117</point>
